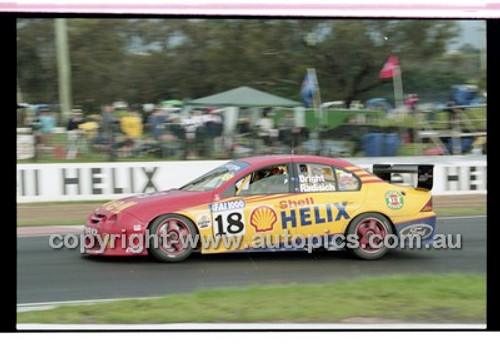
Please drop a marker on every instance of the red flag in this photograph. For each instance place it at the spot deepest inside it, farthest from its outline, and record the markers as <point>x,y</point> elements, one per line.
<point>389,68</point>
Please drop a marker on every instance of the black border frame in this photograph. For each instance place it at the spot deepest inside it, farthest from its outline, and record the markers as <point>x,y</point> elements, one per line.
<point>8,257</point>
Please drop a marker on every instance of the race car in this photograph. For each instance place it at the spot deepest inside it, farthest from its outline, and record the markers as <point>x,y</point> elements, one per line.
<point>269,203</point>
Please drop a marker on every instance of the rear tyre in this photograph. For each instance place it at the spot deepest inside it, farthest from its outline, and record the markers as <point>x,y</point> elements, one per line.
<point>369,230</point>
<point>170,241</point>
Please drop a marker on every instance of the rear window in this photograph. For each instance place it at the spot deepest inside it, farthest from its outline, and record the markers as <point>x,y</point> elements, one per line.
<point>346,180</point>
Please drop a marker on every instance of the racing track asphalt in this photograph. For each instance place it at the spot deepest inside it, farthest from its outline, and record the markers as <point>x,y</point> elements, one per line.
<point>48,275</point>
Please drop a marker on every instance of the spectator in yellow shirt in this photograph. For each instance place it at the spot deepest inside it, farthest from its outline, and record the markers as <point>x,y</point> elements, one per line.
<point>131,125</point>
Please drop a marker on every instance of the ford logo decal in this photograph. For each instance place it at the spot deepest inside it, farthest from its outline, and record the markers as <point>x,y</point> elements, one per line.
<point>423,230</point>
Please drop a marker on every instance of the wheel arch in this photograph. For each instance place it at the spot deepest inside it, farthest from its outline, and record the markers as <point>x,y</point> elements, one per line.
<point>393,226</point>
<point>152,220</point>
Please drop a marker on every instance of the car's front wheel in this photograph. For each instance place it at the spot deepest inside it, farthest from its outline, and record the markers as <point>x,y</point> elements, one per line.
<point>370,230</point>
<point>173,238</point>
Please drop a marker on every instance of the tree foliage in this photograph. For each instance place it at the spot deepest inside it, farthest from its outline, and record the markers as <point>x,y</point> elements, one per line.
<point>149,60</point>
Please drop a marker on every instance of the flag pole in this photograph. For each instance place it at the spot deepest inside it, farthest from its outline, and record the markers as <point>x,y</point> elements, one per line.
<point>392,69</point>
<point>397,81</point>
<point>316,95</point>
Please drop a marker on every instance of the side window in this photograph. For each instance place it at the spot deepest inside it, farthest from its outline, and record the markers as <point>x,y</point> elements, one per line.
<point>270,180</point>
<point>316,178</point>
<point>347,181</point>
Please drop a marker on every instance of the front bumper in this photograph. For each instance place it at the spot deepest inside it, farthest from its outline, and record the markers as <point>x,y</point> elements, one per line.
<point>124,236</point>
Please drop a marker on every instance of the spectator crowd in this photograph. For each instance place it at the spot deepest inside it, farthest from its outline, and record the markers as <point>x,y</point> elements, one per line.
<point>121,131</point>
<point>133,132</point>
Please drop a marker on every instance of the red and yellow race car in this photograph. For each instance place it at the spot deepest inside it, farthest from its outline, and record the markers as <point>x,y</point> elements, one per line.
<point>269,203</point>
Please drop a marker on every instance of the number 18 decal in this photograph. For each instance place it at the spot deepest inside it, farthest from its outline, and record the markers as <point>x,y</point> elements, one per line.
<point>230,222</point>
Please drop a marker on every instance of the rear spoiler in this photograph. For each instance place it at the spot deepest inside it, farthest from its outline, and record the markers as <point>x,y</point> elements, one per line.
<point>425,172</point>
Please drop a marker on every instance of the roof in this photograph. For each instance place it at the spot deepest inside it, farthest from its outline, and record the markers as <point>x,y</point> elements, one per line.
<point>244,96</point>
<point>273,159</point>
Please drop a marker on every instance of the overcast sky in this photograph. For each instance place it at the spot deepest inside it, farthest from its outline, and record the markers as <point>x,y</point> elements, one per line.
<point>473,32</point>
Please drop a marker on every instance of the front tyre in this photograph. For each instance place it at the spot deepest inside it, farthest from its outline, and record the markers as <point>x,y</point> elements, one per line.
<point>370,230</point>
<point>171,241</point>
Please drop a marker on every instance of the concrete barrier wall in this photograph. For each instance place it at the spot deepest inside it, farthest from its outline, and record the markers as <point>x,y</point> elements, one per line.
<point>102,181</point>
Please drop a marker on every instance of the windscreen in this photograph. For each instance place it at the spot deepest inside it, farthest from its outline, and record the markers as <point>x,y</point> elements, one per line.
<point>216,177</point>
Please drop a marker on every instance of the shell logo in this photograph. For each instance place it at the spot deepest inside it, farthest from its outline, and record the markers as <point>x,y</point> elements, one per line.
<point>263,218</point>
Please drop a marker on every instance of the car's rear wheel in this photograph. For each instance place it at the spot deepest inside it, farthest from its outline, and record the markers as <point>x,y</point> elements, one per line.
<point>171,238</point>
<point>370,230</point>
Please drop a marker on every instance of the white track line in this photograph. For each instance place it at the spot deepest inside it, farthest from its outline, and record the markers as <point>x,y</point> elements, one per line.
<point>52,305</point>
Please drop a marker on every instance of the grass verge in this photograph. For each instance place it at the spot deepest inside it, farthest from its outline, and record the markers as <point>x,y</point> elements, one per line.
<point>409,298</point>
<point>49,222</point>
<point>61,204</point>
<point>460,211</point>
<point>81,220</point>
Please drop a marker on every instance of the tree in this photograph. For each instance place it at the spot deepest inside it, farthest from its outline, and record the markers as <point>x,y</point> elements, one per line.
<point>149,60</point>
<point>36,60</point>
<point>351,55</point>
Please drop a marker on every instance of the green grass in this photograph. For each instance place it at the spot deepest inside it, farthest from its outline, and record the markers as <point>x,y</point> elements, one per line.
<point>56,222</point>
<point>477,117</point>
<point>411,298</point>
<point>49,222</point>
<point>412,149</point>
<point>460,211</point>
<point>44,204</point>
